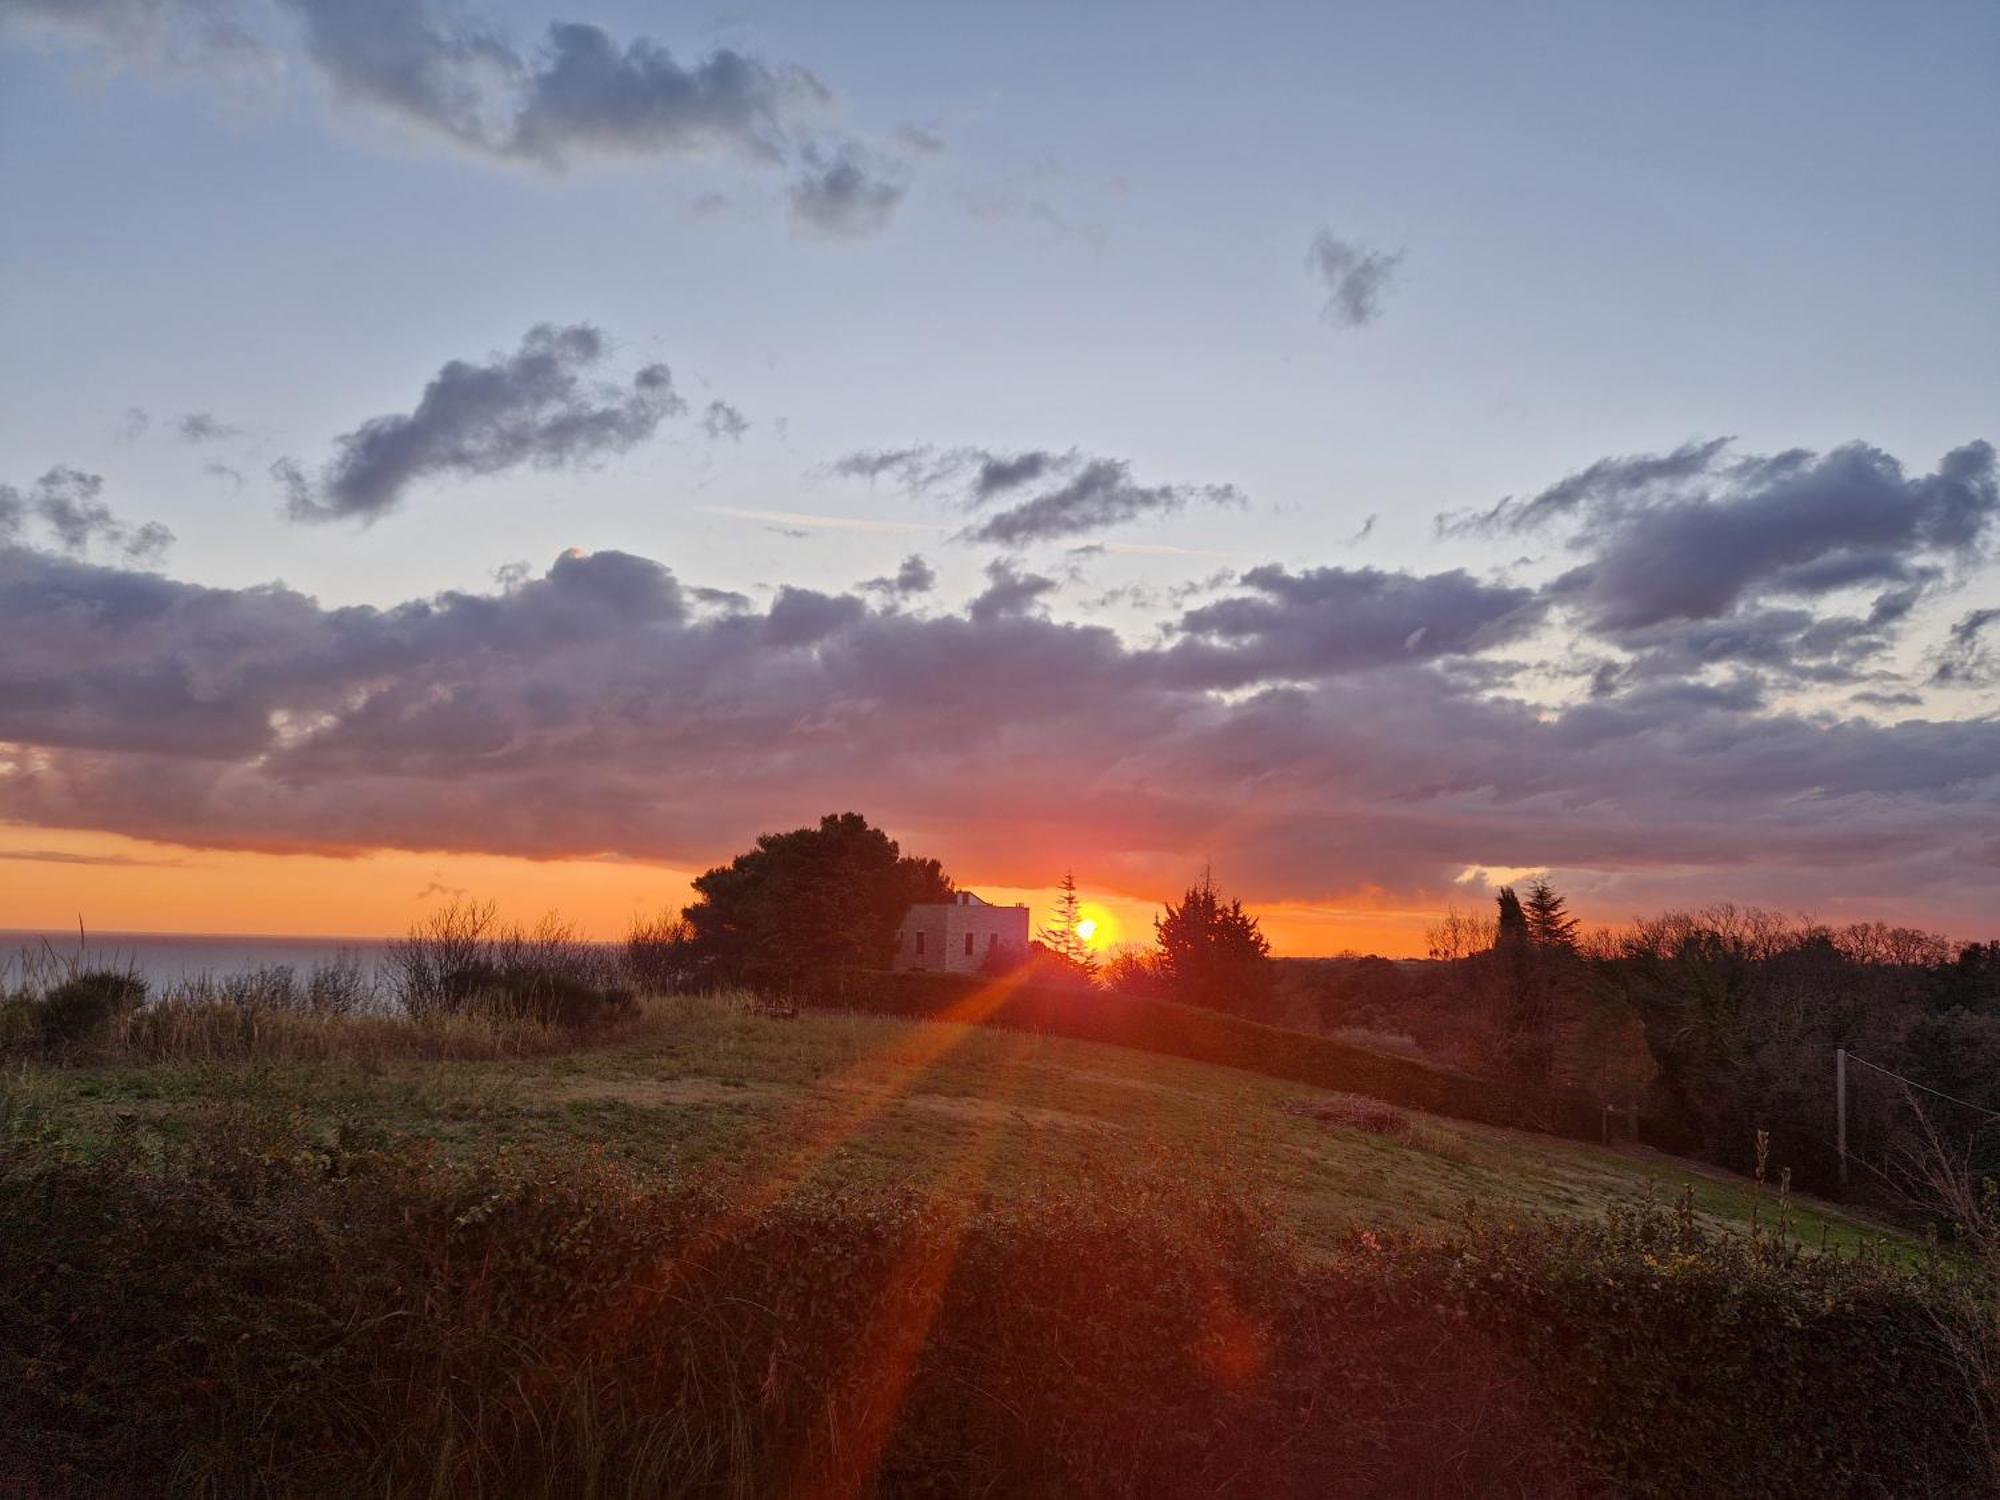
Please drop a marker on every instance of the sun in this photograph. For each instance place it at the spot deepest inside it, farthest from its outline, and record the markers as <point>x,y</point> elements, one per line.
<point>1096,927</point>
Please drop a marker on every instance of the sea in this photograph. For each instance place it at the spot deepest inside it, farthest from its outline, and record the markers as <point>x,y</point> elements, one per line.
<point>164,959</point>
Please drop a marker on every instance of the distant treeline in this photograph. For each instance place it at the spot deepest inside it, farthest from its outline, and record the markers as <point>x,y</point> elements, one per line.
<point>1717,1023</point>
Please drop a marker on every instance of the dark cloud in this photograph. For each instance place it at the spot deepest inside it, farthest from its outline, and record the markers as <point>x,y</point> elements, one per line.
<point>581,96</point>
<point>914,469</point>
<point>1008,592</point>
<point>722,420</point>
<point>65,501</point>
<point>593,710</point>
<point>1325,621</point>
<point>1968,657</point>
<point>589,95</point>
<point>537,407</point>
<point>915,576</point>
<point>1610,484</point>
<point>1044,495</point>
<point>205,427</point>
<point>1352,276</point>
<point>844,194</point>
<point>1094,494</point>
<point>1701,558</point>
<point>729,601</point>
<point>1715,536</point>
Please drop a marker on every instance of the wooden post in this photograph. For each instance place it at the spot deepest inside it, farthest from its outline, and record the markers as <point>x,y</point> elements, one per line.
<point>1840,1107</point>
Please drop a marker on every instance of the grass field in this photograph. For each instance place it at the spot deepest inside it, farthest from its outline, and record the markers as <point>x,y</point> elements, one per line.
<point>709,1251</point>
<point>777,1103</point>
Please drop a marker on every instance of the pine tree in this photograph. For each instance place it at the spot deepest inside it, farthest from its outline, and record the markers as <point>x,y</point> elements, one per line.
<point>1550,925</point>
<point>1526,1022</point>
<point>1060,936</point>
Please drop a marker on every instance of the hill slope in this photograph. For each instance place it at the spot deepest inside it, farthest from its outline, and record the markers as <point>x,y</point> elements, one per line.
<point>950,1108</point>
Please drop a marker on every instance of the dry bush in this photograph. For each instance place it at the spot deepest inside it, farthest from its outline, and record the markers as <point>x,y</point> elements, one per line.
<point>462,958</point>
<point>658,958</point>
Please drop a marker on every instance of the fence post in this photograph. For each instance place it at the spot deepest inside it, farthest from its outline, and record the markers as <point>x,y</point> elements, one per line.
<point>1840,1108</point>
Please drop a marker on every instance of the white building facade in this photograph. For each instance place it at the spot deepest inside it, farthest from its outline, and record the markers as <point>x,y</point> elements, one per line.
<point>961,936</point>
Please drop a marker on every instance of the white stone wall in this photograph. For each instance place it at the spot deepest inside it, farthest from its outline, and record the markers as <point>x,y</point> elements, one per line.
<point>957,938</point>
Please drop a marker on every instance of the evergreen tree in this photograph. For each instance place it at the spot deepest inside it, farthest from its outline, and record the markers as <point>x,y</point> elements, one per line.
<point>1526,1020</point>
<point>1512,930</point>
<point>1060,938</point>
<point>1550,926</point>
<point>1212,953</point>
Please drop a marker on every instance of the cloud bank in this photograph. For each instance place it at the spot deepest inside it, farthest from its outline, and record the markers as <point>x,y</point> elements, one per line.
<point>1316,731</point>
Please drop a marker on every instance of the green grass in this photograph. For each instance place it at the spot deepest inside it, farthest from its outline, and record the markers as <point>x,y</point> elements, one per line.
<point>943,1108</point>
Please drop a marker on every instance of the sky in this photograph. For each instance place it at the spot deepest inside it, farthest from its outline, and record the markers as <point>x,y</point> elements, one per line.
<point>525,450</point>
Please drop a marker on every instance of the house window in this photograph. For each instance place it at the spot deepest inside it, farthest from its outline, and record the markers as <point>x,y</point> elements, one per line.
<point>968,945</point>
<point>920,945</point>
<point>992,941</point>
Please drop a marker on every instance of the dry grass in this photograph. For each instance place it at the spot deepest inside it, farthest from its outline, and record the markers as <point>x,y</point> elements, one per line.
<point>214,1032</point>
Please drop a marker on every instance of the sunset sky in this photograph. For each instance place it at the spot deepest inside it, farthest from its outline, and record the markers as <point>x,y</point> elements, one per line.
<point>1375,451</point>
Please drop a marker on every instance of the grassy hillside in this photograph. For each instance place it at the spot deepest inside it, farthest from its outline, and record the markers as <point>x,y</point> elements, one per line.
<point>947,1108</point>
<point>699,1250</point>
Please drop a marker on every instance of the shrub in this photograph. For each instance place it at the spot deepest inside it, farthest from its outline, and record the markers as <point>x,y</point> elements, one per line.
<point>460,960</point>
<point>660,955</point>
<point>550,997</point>
<point>82,1009</point>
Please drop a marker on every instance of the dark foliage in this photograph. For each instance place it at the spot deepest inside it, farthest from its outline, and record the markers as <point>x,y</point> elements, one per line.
<point>1212,953</point>
<point>77,1013</point>
<point>803,902</point>
<point>461,959</point>
<point>1743,1012</point>
<point>1550,926</point>
<point>1060,944</point>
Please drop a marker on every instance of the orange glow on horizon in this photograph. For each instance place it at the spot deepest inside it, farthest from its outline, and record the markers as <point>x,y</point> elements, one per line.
<point>49,878</point>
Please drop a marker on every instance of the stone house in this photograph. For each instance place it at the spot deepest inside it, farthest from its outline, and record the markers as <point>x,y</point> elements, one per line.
<point>961,935</point>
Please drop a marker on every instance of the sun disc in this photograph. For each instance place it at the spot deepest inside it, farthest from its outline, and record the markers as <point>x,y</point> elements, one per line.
<point>1096,926</point>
